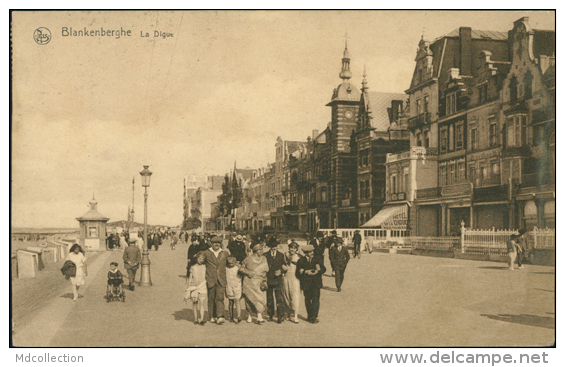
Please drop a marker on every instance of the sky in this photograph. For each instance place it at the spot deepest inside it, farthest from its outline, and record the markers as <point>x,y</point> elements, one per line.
<point>90,112</point>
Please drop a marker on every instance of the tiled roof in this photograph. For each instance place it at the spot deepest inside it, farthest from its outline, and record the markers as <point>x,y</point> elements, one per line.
<point>544,43</point>
<point>346,92</point>
<point>93,215</point>
<point>379,102</point>
<point>477,34</point>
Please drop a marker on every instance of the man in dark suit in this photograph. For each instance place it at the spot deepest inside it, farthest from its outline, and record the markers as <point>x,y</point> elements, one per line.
<point>339,257</point>
<point>157,240</point>
<point>275,284</point>
<point>318,245</point>
<point>309,270</point>
<point>216,260</point>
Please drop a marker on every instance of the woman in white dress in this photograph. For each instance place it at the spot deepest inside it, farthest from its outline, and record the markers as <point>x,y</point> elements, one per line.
<point>76,255</point>
<point>291,283</point>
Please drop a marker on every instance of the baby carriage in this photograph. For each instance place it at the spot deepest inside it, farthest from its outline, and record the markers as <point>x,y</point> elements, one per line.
<point>115,293</point>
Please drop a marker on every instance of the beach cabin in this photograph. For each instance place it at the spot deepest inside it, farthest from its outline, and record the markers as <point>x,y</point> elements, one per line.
<point>92,235</point>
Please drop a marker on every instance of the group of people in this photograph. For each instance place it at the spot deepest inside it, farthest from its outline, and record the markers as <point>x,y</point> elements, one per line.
<point>265,281</point>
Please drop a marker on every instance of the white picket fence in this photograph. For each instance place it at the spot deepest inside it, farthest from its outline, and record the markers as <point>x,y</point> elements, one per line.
<point>542,238</point>
<point>493,241</point>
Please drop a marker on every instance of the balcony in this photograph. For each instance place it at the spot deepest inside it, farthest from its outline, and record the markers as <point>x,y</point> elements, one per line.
<point>536,179</point>
<point>290,208</point>
<point>413,153</point>
<point>419,121</point>
<point>396,196</point>
<point>431,193</point>
<point>490,193</point>
<point>461,189</point>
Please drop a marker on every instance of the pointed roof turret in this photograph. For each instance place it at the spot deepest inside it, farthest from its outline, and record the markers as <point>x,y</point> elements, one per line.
<point>345,73</point>
<point>364,82</point>
<point>345,92</point>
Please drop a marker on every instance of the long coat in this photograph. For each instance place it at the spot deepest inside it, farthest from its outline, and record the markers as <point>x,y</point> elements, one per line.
<point>215,268</point>
<point>275,263</point>
<point>310,281</point>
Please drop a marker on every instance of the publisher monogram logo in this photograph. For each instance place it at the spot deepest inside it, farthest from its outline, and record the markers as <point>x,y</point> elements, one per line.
<point>42,36</point>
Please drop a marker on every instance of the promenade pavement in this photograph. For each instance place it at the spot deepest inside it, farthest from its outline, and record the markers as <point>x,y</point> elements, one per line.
<point>386,300</point>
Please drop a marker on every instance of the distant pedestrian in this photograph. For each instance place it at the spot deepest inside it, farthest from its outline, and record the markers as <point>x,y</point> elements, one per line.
<point>157,240</point>
<point>521,248</point>
<point>318,245</point>
<point>357,244</point>
<point>339,257</point>
<point>511,246</point>
<point>197,291</point>
<point>309,270</point>
<point>77,256</point>
<point>132,258</point>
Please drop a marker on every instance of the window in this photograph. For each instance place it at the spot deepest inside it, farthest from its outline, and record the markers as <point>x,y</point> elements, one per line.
<point>451,138</point>
<point>418,107</point>
<point>426,102</point>
<point>443,139</point>
<point>442,175</point>
<point>471,173</point>
<point>406,179</point>
<point>419,75</point>
<point>452,178</point>
<point>427,139</point>
<point>393,184</point>
<point>368,189</point>
<point>474,138</point>
<point>461,166</point>
<point>93,232</point>
<point>459,135</point>
<point>515,130</point>
<point>493,137</point>
<point>419,139</point>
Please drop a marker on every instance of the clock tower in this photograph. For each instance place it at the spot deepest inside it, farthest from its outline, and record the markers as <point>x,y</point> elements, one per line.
<point>345,105</point>
<point>342,181</point>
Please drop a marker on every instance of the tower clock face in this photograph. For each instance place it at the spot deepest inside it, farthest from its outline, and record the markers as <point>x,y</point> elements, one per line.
<point>348,114</point>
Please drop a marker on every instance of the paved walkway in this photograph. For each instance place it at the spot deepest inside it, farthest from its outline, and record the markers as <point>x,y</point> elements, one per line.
<point>387,300</point>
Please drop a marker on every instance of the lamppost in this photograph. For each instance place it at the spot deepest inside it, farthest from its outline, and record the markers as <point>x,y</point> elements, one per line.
<point>145,271</point>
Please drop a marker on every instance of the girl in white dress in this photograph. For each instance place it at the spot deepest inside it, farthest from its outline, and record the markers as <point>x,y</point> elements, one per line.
<point>76,255</point>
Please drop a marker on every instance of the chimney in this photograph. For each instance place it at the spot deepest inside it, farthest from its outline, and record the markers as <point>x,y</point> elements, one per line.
<point>315,133</point>
<point>396,109</point>
<point>466,57</point>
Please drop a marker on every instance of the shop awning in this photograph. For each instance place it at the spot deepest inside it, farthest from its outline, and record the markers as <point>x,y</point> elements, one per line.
<point>390,217</point>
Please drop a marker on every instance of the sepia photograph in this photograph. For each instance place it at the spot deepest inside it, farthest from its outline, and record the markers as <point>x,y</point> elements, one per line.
<point>338,178</point>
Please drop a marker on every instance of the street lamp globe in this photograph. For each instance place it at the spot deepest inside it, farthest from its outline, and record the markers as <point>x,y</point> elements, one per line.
<point>145,176</point>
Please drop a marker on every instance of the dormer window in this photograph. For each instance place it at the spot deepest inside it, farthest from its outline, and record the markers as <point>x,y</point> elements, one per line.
<point>451,103</point>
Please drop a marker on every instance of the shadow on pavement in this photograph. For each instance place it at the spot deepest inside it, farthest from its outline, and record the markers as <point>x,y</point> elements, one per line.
<point>494,267</point>
<point>184,314</point>
<point>329,289</point>
<point>542,272</point>
<point>546,290</point>
<point>530,320</point>
<point>67,295</point>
